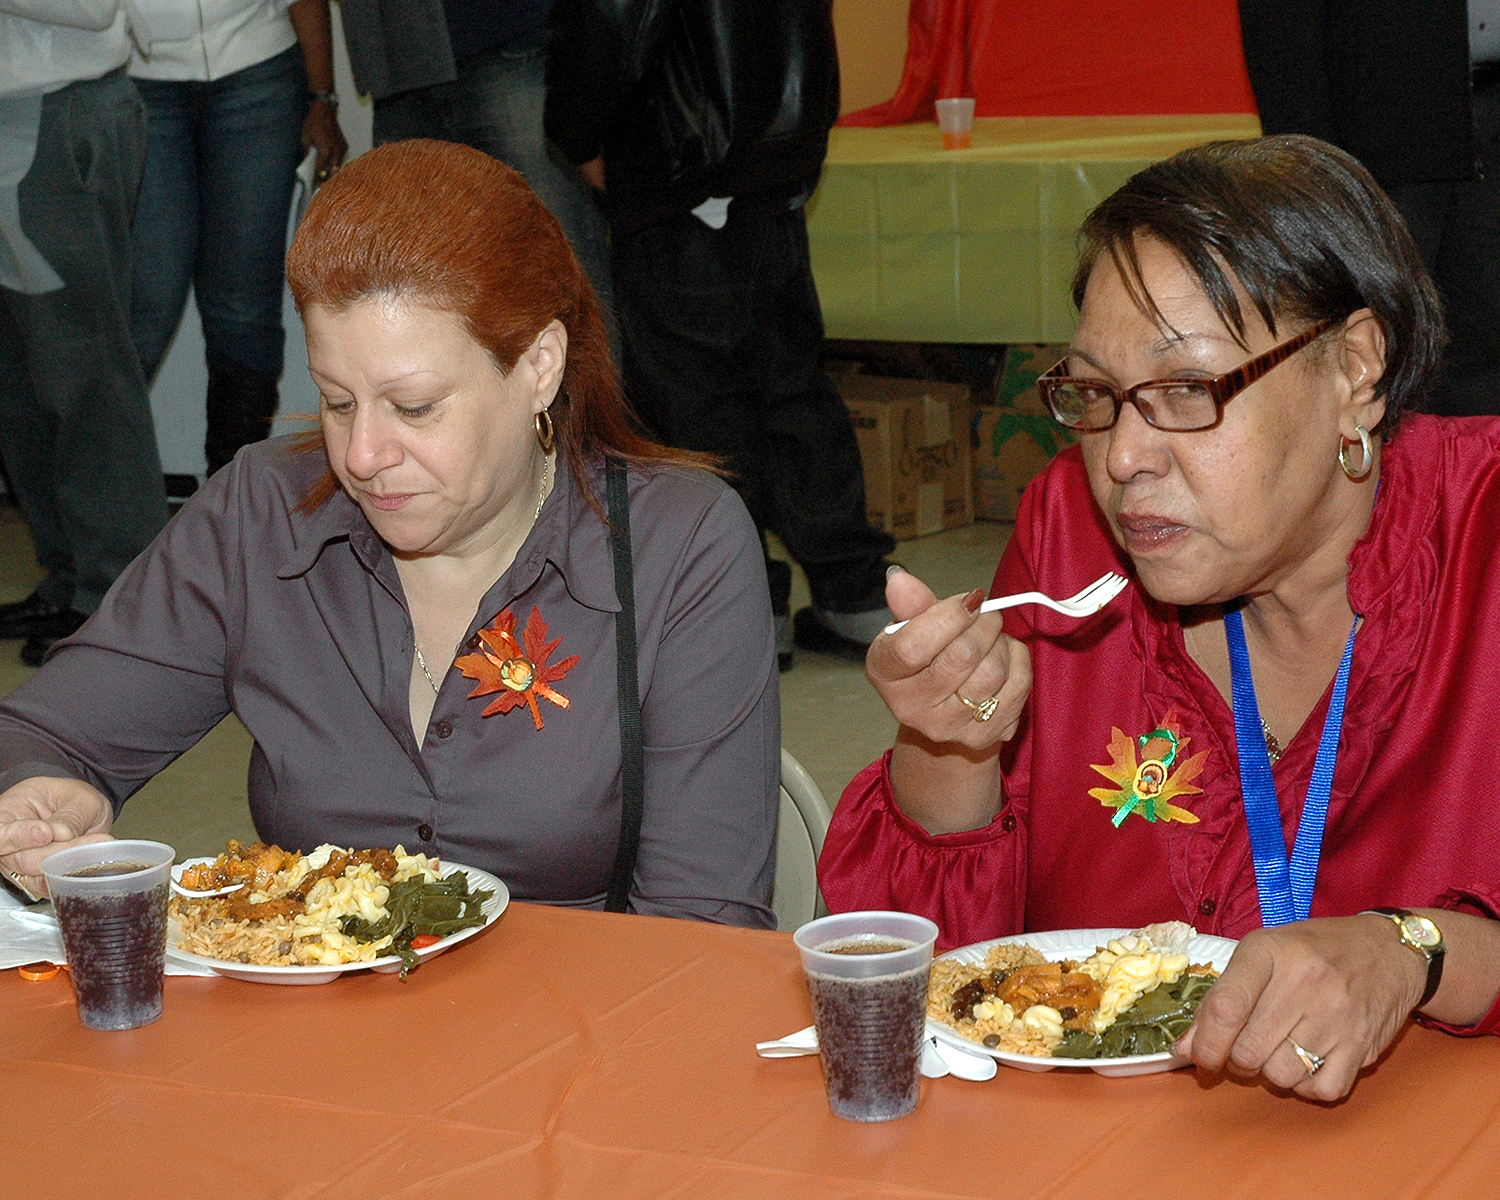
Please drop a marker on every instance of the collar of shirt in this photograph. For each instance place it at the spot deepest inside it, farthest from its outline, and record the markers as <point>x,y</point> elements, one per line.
<point>568,534</point>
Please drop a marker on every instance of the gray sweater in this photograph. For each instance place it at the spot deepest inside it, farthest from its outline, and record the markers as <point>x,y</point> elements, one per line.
<point>296,622</point>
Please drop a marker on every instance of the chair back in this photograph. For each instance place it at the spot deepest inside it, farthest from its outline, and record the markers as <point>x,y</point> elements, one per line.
<point>800,828</point>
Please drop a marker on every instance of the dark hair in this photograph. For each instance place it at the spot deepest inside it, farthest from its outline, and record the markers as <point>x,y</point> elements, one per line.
<point>1305,230</point>
<point>453,228</point>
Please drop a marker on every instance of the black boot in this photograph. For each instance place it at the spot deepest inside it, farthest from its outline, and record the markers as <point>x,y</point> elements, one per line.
<point>241,407</point>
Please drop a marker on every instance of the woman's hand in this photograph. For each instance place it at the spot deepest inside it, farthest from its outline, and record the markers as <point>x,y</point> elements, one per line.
<point>320,128</point>
<point>1341,988</point>
<point>593,173</point>
<point>321,132</point>
<point>949,675</point>
<point>42,815</point>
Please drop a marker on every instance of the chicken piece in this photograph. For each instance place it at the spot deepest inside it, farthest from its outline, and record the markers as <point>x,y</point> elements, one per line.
<point>338,860</point>
<point>1070,992</point>
<point>242,909</point>
<point>266,862</point>
<point>383,861</point>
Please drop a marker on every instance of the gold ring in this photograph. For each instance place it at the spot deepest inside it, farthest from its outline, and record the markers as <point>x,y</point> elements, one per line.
<point>20,882</point>
<point>323,174</point>
<point>1313,1062</point>
<point>982,711</point>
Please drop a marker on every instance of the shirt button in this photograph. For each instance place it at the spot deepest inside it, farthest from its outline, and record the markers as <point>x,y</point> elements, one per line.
<point>424,831</point>
<point>472,643</point>
<point>1208,906</point>
<point>1008,822</point>
<point>443,728</point>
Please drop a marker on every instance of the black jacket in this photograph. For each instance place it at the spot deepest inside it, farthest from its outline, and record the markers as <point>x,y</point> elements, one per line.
<point>688,99</point>
<point>1388,80</point>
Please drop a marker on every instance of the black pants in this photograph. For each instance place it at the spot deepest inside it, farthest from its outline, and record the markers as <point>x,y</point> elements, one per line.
<point>1456,226</point>
<point>722,334</point>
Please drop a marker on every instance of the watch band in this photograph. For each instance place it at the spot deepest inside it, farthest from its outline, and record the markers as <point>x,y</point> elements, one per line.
<point>326,97</point>
<point>1433,954</point>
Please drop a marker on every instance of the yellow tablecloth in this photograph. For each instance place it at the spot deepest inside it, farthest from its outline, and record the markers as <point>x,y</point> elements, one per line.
<point>914,243</point>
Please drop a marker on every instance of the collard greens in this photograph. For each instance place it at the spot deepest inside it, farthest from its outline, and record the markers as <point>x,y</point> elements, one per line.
<point>416,907</point>
<point>1149,1026</point>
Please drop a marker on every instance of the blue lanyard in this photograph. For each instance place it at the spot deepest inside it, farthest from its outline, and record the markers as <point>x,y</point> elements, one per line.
<point>1285,888</point>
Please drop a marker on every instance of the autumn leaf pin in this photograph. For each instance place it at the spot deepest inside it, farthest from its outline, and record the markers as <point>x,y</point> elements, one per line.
<point>1149,786</point>
<point>500,665</point>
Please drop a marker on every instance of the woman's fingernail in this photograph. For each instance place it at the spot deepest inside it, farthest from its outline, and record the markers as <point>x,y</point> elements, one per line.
<point>974,599</point>
<point>894,569</point>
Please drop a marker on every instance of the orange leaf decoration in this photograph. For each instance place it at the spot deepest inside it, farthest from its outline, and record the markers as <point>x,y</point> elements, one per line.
<point>1150,786</point>
<point>500,665</point>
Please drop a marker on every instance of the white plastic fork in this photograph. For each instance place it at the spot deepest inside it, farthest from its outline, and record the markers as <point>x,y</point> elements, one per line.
<point>1085,604</point>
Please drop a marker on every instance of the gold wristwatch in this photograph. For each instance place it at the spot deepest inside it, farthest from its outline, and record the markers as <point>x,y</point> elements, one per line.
<point>1419,934</point>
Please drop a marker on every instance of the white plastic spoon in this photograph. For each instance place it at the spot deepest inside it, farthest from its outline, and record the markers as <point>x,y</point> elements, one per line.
<point>961,1063</point>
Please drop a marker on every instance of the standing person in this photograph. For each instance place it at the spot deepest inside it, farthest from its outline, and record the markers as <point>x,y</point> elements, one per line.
<point>474,71</point>
<point>1413,92</point>
<point>706,121</point>
<point>235,96</point>
<point>75,423</point>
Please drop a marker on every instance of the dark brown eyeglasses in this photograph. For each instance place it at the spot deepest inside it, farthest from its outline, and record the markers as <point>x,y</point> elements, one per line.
<point>1175,405</point>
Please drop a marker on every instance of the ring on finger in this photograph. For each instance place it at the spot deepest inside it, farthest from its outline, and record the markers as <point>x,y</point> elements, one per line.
<point>983,710</point>
<point>20,882</point>
<point>1312,1062</point>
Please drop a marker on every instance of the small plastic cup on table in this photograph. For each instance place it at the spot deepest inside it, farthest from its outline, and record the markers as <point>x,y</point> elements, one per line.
<point>956,120</point>
<point>111,901</point>
<point>867,973</point>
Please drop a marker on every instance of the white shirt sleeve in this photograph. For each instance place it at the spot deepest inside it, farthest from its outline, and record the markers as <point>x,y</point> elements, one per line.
<point>93,15</point>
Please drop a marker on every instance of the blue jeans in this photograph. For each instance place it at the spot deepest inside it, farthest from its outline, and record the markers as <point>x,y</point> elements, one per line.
<point>221,162</point>
<point>75,424</point>
<point>495,105</point>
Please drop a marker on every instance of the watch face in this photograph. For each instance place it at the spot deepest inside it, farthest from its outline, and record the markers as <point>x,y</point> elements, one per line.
<point>1421,932</point>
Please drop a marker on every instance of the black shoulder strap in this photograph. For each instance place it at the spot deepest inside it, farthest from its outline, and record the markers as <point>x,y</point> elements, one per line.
<point>632,759</point>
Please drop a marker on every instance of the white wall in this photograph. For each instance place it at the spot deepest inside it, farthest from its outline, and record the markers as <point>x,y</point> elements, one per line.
<point>177,400</point>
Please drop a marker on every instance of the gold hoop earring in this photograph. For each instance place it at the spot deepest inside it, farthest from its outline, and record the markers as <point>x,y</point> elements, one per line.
<point>545,433</point>
<point>1367,455</point>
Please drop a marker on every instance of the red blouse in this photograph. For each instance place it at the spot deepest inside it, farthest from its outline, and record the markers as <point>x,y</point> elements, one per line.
<point>1413,819</point>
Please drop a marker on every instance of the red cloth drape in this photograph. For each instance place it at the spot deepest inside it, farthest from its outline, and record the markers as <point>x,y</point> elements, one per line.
<point>1070,58</point>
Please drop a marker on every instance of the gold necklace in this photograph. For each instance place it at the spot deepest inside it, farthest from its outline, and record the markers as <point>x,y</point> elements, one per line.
<point>422,662</point>
<point>1273,747</point>
<point>540,500</point>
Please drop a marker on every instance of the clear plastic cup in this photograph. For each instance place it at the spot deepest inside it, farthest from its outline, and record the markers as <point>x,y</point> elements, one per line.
<point>956,120</point>
<point>867,973</point>
<point>111,901</point>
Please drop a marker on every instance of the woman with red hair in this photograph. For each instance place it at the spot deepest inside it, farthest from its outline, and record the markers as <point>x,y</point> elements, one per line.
<point>422,611</point>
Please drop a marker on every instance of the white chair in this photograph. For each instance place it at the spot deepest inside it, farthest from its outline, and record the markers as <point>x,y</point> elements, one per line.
<point>800,827</point>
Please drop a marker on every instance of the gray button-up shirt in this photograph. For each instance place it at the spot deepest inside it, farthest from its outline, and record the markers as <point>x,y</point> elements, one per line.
<point>297,623</point>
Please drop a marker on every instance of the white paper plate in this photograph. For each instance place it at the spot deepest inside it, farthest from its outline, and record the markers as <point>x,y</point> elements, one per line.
<point>478,881</point>
<point>1078,944</point>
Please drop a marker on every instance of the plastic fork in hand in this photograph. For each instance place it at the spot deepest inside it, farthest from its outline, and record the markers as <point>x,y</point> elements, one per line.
<point>1085,604</point>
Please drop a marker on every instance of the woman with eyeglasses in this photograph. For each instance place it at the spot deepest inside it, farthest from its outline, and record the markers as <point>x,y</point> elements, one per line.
<point>1282,731</point>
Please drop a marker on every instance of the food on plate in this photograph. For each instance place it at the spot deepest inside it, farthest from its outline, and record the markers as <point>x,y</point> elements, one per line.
<point>327,908</point>
<point>1136,995</point>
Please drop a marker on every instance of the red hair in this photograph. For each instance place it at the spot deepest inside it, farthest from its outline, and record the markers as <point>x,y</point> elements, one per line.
<point>450,227</point>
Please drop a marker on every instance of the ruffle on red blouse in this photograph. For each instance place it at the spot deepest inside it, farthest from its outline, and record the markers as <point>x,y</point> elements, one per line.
<point>1479,902</point>
<point>876,857</point>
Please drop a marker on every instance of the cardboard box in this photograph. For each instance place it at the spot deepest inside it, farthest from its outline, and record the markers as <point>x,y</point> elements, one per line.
<point>1015,438</point>
<point>914,439</point>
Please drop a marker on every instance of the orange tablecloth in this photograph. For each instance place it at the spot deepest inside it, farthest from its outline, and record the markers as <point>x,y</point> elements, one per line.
<point>577,1054</point>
